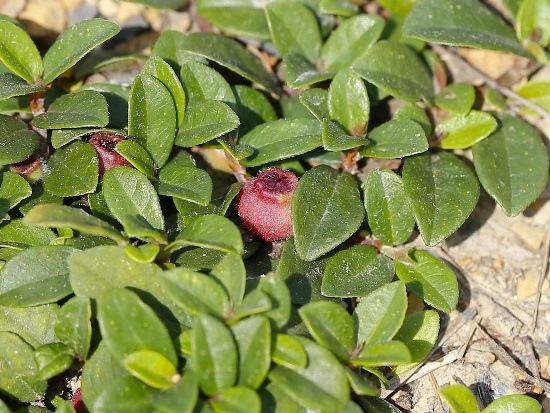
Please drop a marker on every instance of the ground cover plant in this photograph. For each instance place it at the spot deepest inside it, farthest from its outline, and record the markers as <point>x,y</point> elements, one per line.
<point>218,236</point>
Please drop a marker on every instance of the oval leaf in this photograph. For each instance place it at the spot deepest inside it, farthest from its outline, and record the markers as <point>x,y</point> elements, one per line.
<point>151,368</point>
<point>459,398</point>
<point>396,138</point>
<point>18,52</point>
<point>512,165</point>
<point>456,97</point>
<point>383,354</point>
<point>514,403</point>
<point>238,399</point>
<point>138,156</point>
<point>74,327</point>
<point>52,359</point>
<point>443,192</point>
<point>322,223</point>
<point>462,131</point>
<point>17,142</point>
<point>188,183</point>
<point>289,352</point>
<point>12,85</point>
<point>13,189</point>
<point>32,324</point>
<point>201,82</point>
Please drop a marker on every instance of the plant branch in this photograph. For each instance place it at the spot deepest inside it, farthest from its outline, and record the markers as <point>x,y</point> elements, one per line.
<point>443,51</point>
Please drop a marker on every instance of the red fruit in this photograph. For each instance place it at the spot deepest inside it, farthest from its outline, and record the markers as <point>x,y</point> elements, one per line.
<point>264,204</point>
<point>77,402</point>
<point>104,144</point>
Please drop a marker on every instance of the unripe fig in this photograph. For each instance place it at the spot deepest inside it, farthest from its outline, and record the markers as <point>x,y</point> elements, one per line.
<point>264,204</point>
<point>104,144</point>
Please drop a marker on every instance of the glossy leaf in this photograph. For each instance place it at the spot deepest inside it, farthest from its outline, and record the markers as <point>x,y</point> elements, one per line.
<point>127,394</point>
<point>190,184</point>
<point>415,112</point>
<point>18,52</point>
<point>12,85</point>
<point>215,355</point>
<point>73,170</point>
<point>532,22</point>
<point>395,68</point>
<point>74,43</point>
<point>181,398</point>
<point>52,359</point>
<point>13,189</point>
<point>311,386</point>
<point>128,325</point>
<point>396,138</point>
<point>361,384</point>
<point>255,302</point>
<point>281,139</point>
<point>322,223</point>
<point>380,314</point>
<point>206,120</point>
<point>383,354</point>
<point>336,139</point>
<point>300,72</point>
<point>36,276</point>
<point>244,18</point>
<point>19,370</point>
<point>331,326</point>
<point>85,108</point>
<point>253,338</point>
<point>338,7</point>
<point>231,274</point>
<point>378,405</point>
<point>443,192</point>
<point>152,117</point>
<point>162,71</point>
<point>196,292</point>
<point>456,97</point>
<point>74,327</point>
<point>356,272</point>
<point>537,91</point>
<point>14,232</point>
<point>288,352</point>
<point>151,367</point>
<point>17,142</point>
<point>514,403</point>
<point>316,101</point>
<point>389,213</point>
<point>512,165</point>
<point>32,324</point>
<point>120,185</point>
<point>230,54</point>
<point>348,102</point>
<point>469,24</point>
<point>419,332</point>
<point>61,216</point>
<point>398,7</point>
<point>277,290</point>
<point>201,82</point>
<point>462,131</point>
<point>459,398</point>
<point>238,399</point>
<point>138,156</point>
<point>350,40</point>
<point>253,108</point>
<point>136,226</point>
<point>294,29</point>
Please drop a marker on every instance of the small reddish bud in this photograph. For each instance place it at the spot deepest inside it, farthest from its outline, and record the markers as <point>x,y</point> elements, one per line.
<point>30,169</point>
<point>77,402</point>
<point>104,144</point>
<point>264,204</point>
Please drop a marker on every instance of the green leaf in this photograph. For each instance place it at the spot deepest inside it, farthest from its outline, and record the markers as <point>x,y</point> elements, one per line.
<point>230,54</point>
<point>17,142</point>
<point>338,7</point>
<point>72,170</point>
<point>512,165</point>
<point>398,7</point>
<point>129,192</point>
<point>348,102</point>
<point>279,294</point>
<point>32,324</point>
<point>456,97</point>
<point>300,72</point>
<point>537,91</point>
<point>60,216</point>
<point>181,398</point>
<point>380,314</point>
<point>532,22</point>
<point>288,352</point>
<point>378,405</point>
<point>311,386</point>
<point>74,327</point>
<point>443,192</point>
<point>162,71</point>
<point>201,82</point>
<point>18,52</point>
<point>215,356</point>
<point>52,359</point>
<point>161,4</point>
<point>294,29</point>
<point>350,40</point>
<point>322,223</point>
<point>389,213</point>
<point>241,18</point>
<point>390,353</point>
<point>117,96</point>
<point>255,302</point>
<point>85,108</point>
<point>13,189</point>
<point>336,139</point>
<point>253,338</point>
<point>151,367</point>
<point>128,325</point>
<point>253,108</point>
<point>206,120</point>
<point>138,156</point>
<point>14,232</point>
<point>356,272</point>
<point>462,131</point>
<point>415,112</point>
<point>12,85</point>
<point>316,101</point>
<point>281,139</point>
<point>230,272</point>
<point>19,376</point>
<point>136,226</point>
<point>331,326</point>
<point>467,24</point>
<point>459,398</point>
<point>419,332</point>
<point>196,292</point>
<point>188,183</point>
<point>36,276</point>
<point>238,399</point>
<point>74,43</point>
<point>127,394</point>
<point>396,138</point>
<point>361,384</point>
<point>514,403</point>
<point>152,117</point>
<point>397,69</point>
